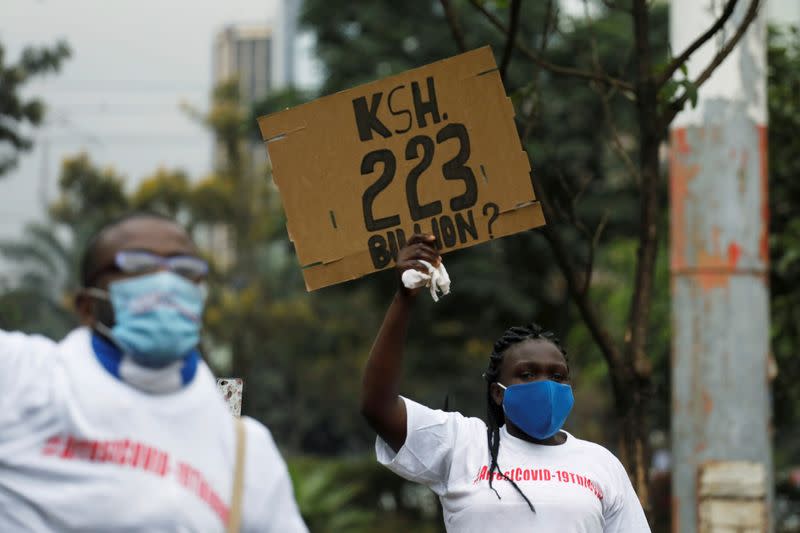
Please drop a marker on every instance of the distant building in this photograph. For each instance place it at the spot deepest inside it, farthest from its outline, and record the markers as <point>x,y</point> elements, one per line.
<point>242,52</point>
<point>245,52</point>
<point>285,56</point>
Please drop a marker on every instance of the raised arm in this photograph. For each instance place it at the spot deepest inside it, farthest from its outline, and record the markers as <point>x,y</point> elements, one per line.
<point>26,370</point>
<point>381,404</point>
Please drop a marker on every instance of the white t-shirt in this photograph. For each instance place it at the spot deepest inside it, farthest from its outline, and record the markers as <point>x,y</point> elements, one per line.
<point>82,451</point>
<point>575,487</point>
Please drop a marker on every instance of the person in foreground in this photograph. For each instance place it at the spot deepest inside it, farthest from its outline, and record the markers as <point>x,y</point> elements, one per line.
<point>518,471</point>
<point>120,427</point>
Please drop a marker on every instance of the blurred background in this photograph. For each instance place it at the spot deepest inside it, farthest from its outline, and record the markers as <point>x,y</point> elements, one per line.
<point>110,106</point>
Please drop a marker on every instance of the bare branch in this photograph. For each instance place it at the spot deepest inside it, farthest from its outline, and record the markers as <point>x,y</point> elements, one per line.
<point>513,27</point>
<point>605,97</point>
<point>676,63</point>
<point>584,186</point>
<point>590,317</point>
<point>616,7</point>
<point>527,124</point>
<point>676,106</point>
<point>548,16</point>
<point>616,141</point>
<point>455,27</point>
<point>650,135</point>
<point>543,63</point>
<point>598,232</point>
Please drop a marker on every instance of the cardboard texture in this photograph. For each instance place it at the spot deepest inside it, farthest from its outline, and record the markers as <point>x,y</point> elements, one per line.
<point>431,150</point>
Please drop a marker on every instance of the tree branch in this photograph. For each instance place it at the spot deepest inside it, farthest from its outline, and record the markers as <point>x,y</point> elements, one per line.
<point>588,313</point>
<point>676,63</point>
<point>614,6</point>
<point>527,123</point>
<point>616,141</point>
<point>605,97</point>
<point>543,63</point>
<point>548,15</point>
<point>650,136</point>
<point>598,232</point>
<point>513,27</point>
<point>455,27</point>
<point>676,106</point>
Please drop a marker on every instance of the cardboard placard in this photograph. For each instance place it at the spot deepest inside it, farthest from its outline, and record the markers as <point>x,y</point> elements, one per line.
<point>431,150</point>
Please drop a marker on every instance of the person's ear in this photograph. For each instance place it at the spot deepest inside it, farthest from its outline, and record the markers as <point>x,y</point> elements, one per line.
<point>497,393</point>
<point>84,307</point>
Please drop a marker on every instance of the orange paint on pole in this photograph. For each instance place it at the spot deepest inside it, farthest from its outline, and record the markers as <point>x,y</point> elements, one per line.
<point>681,175</point>
<point>734,253</point>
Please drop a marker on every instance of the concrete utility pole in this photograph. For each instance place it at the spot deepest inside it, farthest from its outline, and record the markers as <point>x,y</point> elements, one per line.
<point>721,411</point>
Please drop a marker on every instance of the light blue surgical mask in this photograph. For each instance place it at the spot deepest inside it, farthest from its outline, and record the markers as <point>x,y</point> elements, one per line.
<point>157,316</point>
<point>539,408</point>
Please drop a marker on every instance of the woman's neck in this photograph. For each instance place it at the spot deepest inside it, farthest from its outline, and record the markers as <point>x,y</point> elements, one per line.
<point>559,438</point>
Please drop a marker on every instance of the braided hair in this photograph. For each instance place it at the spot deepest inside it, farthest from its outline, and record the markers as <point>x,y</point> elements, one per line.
<point>495,416</point>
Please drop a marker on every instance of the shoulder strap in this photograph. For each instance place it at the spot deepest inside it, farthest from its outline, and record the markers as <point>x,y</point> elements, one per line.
<point>235,513</point>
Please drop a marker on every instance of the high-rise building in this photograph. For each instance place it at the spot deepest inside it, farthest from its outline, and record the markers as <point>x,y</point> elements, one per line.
<point>285,55</point>
<point>244,52</point>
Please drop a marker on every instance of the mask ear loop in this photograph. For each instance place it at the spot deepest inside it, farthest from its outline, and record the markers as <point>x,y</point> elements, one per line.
<point>100,294</point>
<point>96,292</point>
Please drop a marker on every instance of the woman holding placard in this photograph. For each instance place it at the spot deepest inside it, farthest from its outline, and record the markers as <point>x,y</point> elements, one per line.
<point>518,471</point>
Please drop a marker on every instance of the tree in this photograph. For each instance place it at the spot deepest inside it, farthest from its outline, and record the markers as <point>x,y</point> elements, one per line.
<point>247,197</point>
<point>48,254</point>
<point>657,99</point>
<point>38,301</point>
<point>621,57</point>
<point>784,167</point>
<point>165,191</point>
<point>15,111</point>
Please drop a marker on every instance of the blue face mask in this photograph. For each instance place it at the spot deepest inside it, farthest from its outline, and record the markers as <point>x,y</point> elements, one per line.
<point>157,317</point>
<point>538,408</point>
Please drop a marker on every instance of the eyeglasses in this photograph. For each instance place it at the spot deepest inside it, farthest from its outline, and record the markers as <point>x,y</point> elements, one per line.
<point>142,262</point>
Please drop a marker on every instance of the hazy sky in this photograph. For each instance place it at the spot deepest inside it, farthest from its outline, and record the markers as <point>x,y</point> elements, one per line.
<point>118,97</point>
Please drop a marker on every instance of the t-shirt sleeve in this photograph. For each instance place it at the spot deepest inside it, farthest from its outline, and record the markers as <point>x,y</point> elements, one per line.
<point>269,503</point>
<point>625,514</point>
<point>24,383</point>
<point>427,454</point>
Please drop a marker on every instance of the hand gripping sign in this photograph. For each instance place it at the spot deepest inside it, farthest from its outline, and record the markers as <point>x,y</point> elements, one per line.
<point>432,150</point>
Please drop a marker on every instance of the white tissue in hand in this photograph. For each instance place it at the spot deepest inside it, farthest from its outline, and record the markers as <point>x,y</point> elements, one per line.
<point>436,279</point>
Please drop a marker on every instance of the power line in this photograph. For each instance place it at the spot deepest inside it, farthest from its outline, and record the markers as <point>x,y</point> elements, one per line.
<point>126,85</point>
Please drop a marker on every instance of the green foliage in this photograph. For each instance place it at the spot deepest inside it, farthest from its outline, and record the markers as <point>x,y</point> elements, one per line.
<point>514,280</point>
<point>15,110</point>
<point>88,195</point>
<point>165,192</point>
<point>301,354</point>
<point>40,301</point>
<point>675,88</point>
<point>49,254</point>
<point>326,500</point>
<point>784,198</point>
<point>593,412</point>
<point>360,496</point>
<point>358,42</point>
<point>277,101</point>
